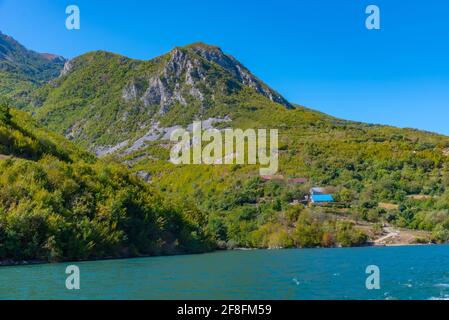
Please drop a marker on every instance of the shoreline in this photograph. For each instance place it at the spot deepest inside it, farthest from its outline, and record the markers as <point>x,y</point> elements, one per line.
<point>12,263</point>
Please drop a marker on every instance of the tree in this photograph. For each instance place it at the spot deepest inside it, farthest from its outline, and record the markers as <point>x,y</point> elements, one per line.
<point>5,114</point>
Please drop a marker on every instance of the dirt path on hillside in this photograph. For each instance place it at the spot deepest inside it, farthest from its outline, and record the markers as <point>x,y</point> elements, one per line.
<point>397,236</point>
<point>390,236</point>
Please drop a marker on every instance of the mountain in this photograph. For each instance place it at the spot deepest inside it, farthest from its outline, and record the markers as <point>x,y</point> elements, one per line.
<point>124,109</point>
<point>22,70</point>
<point>103,99</point>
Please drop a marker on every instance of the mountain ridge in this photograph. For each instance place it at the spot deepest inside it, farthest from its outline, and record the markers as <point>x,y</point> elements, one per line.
<point>196,81</point>
<point>22,71</point>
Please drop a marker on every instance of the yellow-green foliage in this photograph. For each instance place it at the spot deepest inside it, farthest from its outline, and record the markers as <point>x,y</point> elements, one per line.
<point>59,203</point>
<point>363,164</point>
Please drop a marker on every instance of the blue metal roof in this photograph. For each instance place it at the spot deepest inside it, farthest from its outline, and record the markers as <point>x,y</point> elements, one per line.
<point>322,198</point>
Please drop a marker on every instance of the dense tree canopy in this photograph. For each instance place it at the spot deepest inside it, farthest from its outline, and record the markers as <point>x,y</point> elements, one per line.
<point>57,203</point>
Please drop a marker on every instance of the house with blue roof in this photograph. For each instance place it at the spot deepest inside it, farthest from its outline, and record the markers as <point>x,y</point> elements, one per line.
<point>320,196</point>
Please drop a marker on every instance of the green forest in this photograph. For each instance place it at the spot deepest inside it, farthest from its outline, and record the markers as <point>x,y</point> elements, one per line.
<point>60,203</point>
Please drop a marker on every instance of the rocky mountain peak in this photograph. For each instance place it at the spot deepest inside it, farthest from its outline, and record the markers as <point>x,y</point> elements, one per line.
<point>128,96</point>
<point>238,71</point>
<point>197,72</point>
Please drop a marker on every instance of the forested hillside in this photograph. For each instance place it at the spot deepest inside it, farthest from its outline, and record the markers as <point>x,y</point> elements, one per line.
<point>378,174</point>
<point>60,203</point>
<point>22,71</point>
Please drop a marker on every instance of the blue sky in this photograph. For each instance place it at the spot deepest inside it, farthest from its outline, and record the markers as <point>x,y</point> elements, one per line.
<point>316,53</point>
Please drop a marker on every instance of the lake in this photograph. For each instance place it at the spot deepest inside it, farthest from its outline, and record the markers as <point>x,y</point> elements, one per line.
<point>411,272</point>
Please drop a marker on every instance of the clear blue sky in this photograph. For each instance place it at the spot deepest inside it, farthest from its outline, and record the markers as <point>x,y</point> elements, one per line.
<point>316,53</point>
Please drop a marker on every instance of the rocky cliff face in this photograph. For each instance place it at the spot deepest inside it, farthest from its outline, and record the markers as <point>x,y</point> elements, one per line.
<point>104,99</point>
<point>237,70</point>
<point>195,72</point>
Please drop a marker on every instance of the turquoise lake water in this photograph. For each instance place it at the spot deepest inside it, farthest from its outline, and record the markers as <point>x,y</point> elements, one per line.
<point>415,272</point>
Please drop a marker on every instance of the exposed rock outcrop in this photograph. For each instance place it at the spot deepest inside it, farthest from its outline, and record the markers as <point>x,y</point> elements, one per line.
<point>189,76</point>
